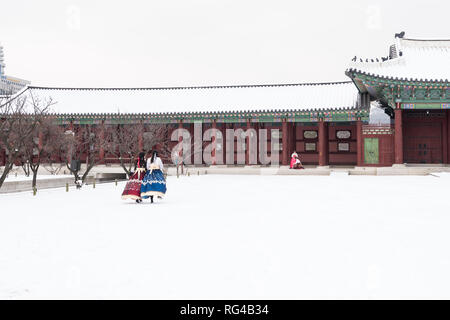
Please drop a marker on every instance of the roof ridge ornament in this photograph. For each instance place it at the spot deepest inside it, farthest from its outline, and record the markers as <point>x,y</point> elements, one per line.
<point>400,35</point>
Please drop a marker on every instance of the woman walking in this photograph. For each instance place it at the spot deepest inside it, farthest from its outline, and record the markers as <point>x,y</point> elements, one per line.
<point>154,183</point>
<point>133,187</point>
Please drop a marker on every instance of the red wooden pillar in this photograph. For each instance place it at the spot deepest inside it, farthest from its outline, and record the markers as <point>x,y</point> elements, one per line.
<point>448,136</point>
<point>290,138</point>
<point>294,136</point>
<point>445,138</point>
<point>87,130</point>
<point>224,143</point>
<point>102,142</point>
<point>213,141</point>
<point>359,145</point>
<point>247,143</point>
<point>323,141</point>
<point>68,155</point>
<point>292,141</point>
<point>180,137</point>
<point>191,146</point>
<point>256,127</point>
<point>284,137</point>
<point>398,135</point>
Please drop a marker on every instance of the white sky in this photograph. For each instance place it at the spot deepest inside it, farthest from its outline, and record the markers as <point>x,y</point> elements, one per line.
<point>203,42</point>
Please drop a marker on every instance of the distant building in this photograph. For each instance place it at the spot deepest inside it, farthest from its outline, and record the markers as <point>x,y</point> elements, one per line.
<point>9,85</point>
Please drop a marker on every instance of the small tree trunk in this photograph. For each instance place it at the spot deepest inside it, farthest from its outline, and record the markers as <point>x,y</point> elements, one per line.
<point>8,167</point>
<point>35,172</point>
<point>88,169</point>
<point>74,172</point>
<point>4,174</point>
<point>26,169</point>
<point>127,171</point>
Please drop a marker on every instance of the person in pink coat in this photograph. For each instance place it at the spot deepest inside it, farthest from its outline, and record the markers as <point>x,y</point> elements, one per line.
<point>295,162</point>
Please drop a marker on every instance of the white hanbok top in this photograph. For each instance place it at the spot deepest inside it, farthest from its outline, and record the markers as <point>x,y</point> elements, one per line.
<point>157,164</point>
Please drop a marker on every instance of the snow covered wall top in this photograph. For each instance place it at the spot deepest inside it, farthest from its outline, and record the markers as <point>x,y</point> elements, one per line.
<point>410,59</point>
<point>202,99</point>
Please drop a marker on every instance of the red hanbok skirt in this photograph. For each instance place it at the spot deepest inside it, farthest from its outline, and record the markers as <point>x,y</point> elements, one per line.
<point>133,187</point>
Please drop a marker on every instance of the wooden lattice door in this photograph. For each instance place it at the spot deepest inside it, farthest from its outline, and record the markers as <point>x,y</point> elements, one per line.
<point>423,142</point>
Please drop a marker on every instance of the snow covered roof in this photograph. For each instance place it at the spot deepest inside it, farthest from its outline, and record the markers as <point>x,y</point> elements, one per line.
<point>335,95</point>
<point>410,59</point>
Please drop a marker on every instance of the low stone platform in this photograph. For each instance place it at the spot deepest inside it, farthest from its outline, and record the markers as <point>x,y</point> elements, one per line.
<point>25,185</point>
<point>41,183</point>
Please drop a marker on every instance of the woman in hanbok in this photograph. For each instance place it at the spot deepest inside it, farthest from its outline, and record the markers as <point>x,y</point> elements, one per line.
<point>154,183</point>
<point>295,162</point>
<point>133,187</point>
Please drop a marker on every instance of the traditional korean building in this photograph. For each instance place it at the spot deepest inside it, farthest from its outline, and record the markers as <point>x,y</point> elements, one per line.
<point>319,120</point>
<point>412,85</point>
<point>326,123</point>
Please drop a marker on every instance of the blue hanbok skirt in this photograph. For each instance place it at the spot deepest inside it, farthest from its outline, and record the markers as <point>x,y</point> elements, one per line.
<point>153,184</point>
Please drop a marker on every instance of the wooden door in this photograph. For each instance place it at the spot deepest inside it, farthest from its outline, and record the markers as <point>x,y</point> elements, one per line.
<point>423,142</point>
<point>371,151</point>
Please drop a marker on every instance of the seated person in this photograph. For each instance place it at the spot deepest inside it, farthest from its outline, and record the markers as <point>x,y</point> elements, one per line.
<point>295,162</point>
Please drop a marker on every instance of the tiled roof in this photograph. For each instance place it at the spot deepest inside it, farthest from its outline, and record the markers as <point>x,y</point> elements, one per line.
<point>335,95</point>
<point>413,60</point>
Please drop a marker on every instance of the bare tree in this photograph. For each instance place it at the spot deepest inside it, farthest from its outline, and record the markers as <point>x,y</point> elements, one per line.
<point>156,137</point>
<point>53,166</point>
<point>123,143</point>
<point>25,165</point>
<point>18,122</point>
<point>54,146</point>
<point>79,144</point>
<point>126,142</point>
<point>40,142</point>
<point>42,146</point>
<point>187,151</point>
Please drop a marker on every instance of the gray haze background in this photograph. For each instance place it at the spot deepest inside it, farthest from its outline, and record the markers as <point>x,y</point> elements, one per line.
<point>203,42</point>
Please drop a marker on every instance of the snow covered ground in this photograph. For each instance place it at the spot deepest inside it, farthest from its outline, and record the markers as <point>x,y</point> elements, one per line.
<point>232,237</point>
